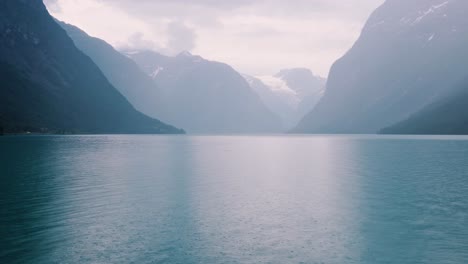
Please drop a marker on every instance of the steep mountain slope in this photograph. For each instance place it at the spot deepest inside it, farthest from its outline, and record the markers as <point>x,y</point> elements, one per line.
<point>122,72</point>
<point>205,96</point>
<point>410,54</point>
<point>290,94</point>
<point>48,85</point>
<point>448,116</point>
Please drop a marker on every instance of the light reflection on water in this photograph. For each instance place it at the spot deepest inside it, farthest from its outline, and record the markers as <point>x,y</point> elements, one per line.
<point>233,199</point>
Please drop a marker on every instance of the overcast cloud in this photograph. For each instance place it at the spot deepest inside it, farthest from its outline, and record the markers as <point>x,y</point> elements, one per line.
<point>257,37</point>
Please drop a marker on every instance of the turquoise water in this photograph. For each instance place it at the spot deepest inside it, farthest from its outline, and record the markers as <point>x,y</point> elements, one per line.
<point>233,199</point>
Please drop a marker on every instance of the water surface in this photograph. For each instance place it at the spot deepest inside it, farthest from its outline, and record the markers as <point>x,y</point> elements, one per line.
<point>233,199</point>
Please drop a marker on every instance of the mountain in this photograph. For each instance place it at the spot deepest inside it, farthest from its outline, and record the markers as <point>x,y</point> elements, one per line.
<point>410,54</point>
<point>448,116</point>
<point>48,85</point>
<point>290,94</point>
<point>205,96</point>
<point>122,72</point>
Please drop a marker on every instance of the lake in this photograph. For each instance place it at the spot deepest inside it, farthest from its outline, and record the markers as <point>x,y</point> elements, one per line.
<point>233,199</point>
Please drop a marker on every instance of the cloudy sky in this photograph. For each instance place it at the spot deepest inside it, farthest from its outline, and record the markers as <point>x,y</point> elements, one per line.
<point>257,37</point>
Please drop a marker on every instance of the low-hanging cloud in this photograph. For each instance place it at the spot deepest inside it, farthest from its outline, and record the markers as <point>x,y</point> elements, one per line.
<point>180,37</point>
<point>137,41</point>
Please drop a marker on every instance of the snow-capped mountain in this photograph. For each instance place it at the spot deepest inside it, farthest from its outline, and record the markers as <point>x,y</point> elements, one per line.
<point>205,96</point>
<point>290,94</point>
<point>409,55</point>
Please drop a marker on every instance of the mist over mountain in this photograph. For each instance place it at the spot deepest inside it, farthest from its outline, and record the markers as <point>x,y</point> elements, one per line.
<point>48,85</point>
<point>290,94</point>
<point>122,72</point>
<point>205,96</point>
<point>405,74</point>
<point>410,54</point>
<point>447,116</point>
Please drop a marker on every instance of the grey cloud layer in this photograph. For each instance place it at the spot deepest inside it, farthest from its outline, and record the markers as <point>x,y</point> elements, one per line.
<point>255,36</point>
<point>344,9</point>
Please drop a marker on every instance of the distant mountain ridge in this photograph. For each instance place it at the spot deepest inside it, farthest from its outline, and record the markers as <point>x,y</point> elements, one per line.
<point>205,96</point>
<point>49,86</point>
<point>410,54</point>
<point>290,94</point>
<point>122,72</point>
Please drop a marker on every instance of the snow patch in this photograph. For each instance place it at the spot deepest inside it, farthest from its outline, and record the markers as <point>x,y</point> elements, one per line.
<point>276,84</point>
<point>156,72</point>
<point>431,38</point>
<point>431,10</point>
<point>129,54</point>
<point>132,52</point>
<point>378,24</point>
<point>405,20</point>
<point>281,88</point>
